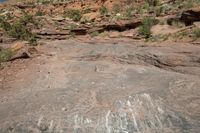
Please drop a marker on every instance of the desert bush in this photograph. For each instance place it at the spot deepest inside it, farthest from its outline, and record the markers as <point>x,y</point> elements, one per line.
<point>86,10</point>
<point>45,2</point>
<point>73,14</point>
<point>178,24</point>
<point>103,10</point>
<point>196,33</point>
<point>153,2</point>
<point>19,29</point>
<point>116,8</point>
<point>104,34</point>
<point>72,26</point>
<point>128,12</point>
<point>5,55</point>
<point>95,33</point>
<point>39,13</point>
<point>160,37</point>
<point>145,28</point>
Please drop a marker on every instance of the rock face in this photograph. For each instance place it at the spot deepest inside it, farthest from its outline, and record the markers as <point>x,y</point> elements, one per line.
<point>190,16</point>
<point>105,88</point>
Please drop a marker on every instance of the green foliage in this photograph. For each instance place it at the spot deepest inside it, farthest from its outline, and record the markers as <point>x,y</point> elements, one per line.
<point>5,55</point>
<point>39,13</point>
<point>86,10</point>
<point>189,4</point>
<point>143,9</point>
<point>44,2</point>
<point>153,2</point>
<point>104,34</point>
<point>73,14</point>
<point>19,29</point>
<point>103,10</point>
<point>116,8</point>
<point>196,33</point>
<point>72,34</point>
<point>95,33</point>
<point>128,12</point>
<point>178,24</point>
<point>72,26</point>
<point>145,28</point>
<point>184,33</point>
<point>160,37</point>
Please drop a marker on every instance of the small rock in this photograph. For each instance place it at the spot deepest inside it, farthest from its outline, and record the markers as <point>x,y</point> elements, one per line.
<point>98,19</point>
<point>59,19</point>
<point>118,14</point>
<point>68,19</point>
<point>17,46</point>
<point>114,34</point>
<point>64,109</point>
<point>128,34</point>
<point>33,51</point>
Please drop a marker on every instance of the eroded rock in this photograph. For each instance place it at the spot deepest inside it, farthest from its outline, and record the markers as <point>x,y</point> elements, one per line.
<point>190,16</point>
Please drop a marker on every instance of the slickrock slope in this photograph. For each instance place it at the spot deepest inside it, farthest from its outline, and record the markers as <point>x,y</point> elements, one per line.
<point>91,87</point>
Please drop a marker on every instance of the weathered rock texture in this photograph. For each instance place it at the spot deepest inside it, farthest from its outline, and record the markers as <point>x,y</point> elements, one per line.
<point>104,88</point>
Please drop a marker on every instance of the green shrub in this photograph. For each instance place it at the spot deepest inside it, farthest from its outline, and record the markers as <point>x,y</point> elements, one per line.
<point>145,28</point>
<point>116,8</point>
<point>160,37</point>
<point>152,2</point>
<point>95,33</point>
<point>178,24</point>
<point>196,33</point>
<point>73,14</point>
<point>19,29</point>
<point>188,4</point>
<point>103,10</point>
<point>104,34</point>
<point>72,26</point>
<point>128,12</point>
<point>5,55</point>
<point>86,10</point>
<point>39,13</point>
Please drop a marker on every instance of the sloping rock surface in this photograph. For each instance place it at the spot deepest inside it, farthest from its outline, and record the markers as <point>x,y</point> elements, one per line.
<point>105,88</point>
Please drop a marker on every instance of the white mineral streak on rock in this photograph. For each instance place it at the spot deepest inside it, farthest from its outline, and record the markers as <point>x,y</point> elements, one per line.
<point>88,121</point>
<point>107,122</point>
<point>138,114</point>
<point>76,124</point>
<point>129,103</point>
<point>39,121</point>
<point>51,126</point>
<point>161,111</point>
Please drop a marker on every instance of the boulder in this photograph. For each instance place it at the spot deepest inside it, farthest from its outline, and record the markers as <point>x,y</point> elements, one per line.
<point>17,46</point>
<point>128,33</point>
<point>190,16</point>
<point>114,34</point>
<point>19,51</point>
<point>122,25</point>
